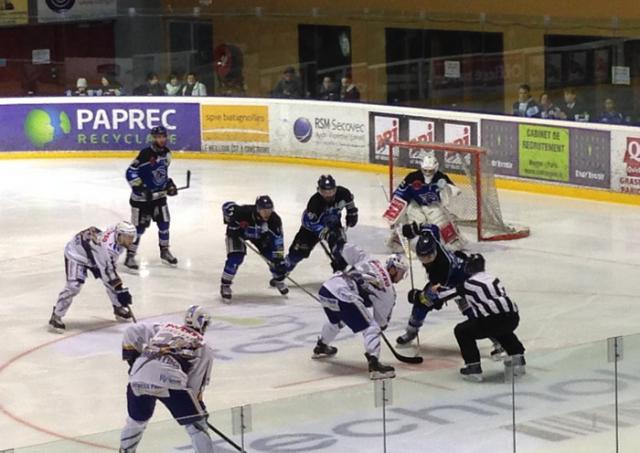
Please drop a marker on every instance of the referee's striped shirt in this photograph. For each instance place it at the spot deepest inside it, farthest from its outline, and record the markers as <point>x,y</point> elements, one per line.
<point>485,295</point>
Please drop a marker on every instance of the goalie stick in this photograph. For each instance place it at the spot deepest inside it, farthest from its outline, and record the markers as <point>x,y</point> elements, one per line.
<point>396,354</point>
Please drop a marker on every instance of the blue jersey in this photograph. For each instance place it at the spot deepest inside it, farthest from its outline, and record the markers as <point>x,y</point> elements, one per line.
<point>415,188</point>
<point>448,268</point>
<point>149,172</point>
<point>321,214</point>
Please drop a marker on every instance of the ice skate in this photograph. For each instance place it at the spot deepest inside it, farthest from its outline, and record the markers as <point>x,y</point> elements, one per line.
<point>130,262</point>
<point>472,372</point>
<point>322,350</point>
<point>517,363</point>
<point>379,371</point>
<point>122,314</point>
<point>225,292</point>
<point>497,354</point>
<point>407,337</point>
<point>55,323</point>
<point>167,257</point>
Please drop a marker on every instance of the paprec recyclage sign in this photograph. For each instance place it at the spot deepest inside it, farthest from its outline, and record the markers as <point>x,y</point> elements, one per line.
<point>89,127</point>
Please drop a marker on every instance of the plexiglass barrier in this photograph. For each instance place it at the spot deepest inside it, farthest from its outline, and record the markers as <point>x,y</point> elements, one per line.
<point>582,398</point>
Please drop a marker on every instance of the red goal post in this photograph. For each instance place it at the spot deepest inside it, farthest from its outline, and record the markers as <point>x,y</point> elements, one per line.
<point>471,170</point>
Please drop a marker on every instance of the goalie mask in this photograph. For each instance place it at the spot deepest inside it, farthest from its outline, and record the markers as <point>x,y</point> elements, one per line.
<point>429,167</point>
<point>198,318</point>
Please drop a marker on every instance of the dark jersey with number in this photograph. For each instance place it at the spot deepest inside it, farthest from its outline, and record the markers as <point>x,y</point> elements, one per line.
<point>149,172</point>
<point>243,221</point>
<point>320,213</point>
<point>415,188</point>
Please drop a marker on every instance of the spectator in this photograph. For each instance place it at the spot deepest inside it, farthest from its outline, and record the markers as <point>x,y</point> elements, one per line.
<point>348,91</point>
<point>547,108</point>
<point>193,87</point>
<point>289,86</point>
<point>328,91</point>
<point>109,87</point>
<point>82,88</point>
<point>573,109</point>
<point>610,115</point>
<point>152,87</point>
<point>525,105</point>
<point>173,86</point>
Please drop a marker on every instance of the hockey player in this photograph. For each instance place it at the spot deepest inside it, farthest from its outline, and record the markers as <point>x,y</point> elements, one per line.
<point>148,176</point>
<point>422,197</point>
<point>494,316</point>
<point>443,268</point>
<point>259,224</point>
<point>98,252</point>
<point>322,221</point>
<point>170,363</point>
<point>363,299</point>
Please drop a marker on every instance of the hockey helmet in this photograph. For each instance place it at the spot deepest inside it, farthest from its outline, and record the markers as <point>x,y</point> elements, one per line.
<point>197,317</point>
<point>396,262</point>
<point>159,130</point>
<point>426,249</point>
<point>474,264</point>
<point>327,187</point>
<point>429,165</point>
<point>124,230</point>
<point>264,202</point>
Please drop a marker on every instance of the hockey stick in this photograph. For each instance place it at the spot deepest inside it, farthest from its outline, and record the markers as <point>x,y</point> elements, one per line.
<point>224,437</point>
<point>188,184</point>
<point>395,353</point>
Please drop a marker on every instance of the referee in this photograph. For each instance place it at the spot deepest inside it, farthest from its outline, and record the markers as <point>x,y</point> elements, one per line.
<point>492,314</point>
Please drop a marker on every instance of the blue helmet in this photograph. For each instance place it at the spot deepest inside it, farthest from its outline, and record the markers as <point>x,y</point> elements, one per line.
<point>159,130</point>
<point>474,264</point>
<point>426,245</point>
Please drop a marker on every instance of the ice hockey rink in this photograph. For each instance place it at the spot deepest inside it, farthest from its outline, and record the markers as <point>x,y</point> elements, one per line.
<point>575,279</point>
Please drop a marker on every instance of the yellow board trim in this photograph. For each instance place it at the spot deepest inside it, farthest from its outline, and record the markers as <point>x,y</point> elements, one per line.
<point>582,193</point>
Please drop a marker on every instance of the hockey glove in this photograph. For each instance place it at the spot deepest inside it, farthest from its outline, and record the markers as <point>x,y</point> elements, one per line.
<point>171,188</point>
<point>410,230</point>
<point>414,296</point>
<point>124,297</point>
<point>332,222</point>
<point>352,218</point>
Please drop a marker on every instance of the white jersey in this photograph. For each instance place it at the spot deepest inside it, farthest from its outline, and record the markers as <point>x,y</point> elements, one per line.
<point>383,293</point>
<point>98,250</point>
<point>172,356</point>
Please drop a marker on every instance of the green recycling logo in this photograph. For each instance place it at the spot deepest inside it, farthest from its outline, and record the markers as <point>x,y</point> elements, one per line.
<point>44,126</point>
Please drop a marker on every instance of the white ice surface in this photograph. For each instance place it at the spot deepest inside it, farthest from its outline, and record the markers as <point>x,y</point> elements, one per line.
<point>575,279</point>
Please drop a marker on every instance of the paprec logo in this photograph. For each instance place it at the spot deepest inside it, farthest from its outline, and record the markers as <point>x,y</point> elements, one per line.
<point>302,130</point>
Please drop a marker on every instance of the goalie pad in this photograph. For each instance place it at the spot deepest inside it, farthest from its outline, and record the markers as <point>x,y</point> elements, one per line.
<point>438,215</point>
<point>396,208</point>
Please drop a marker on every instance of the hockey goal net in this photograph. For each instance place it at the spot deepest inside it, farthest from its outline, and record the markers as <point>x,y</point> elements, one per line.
<point>470,169</point>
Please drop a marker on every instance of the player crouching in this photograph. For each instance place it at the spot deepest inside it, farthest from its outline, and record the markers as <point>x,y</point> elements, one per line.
<point>98,252</point>
<point>494,315</point>
<point>363,299</point>
<point>170,363</point>
<point>259,224</point>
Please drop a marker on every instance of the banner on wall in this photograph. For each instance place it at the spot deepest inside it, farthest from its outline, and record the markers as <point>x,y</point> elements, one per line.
<point>625,164</point>
<point>14,12</point>
<point>75,10</point>
<point>238,129</point>
<point>322,131</point>
<point>94,127</point>
<point>386,127</point>
<point>561,154</point>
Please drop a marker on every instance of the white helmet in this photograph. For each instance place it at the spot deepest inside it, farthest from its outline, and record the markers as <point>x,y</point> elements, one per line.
<point>429,166</point>
<point>396,261</point>
<point>197,317</point>
<point>126,229</point>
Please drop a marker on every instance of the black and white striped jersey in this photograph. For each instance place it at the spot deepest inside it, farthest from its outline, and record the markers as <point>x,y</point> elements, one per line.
<point>485,295</point>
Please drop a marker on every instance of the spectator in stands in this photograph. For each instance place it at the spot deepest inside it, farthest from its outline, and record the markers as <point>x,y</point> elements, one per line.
<point>610,115</point>
<point>548,109</point>
<point>328,90</point>
<point>82,88</point>
<point>525,105</point>
<point>573,109</point>
<point>193,87</point>
<point>348,91</point>
<point>151,87</point>
<point>173,86</point>
<point>109,87</point>
<point>289,86</point>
